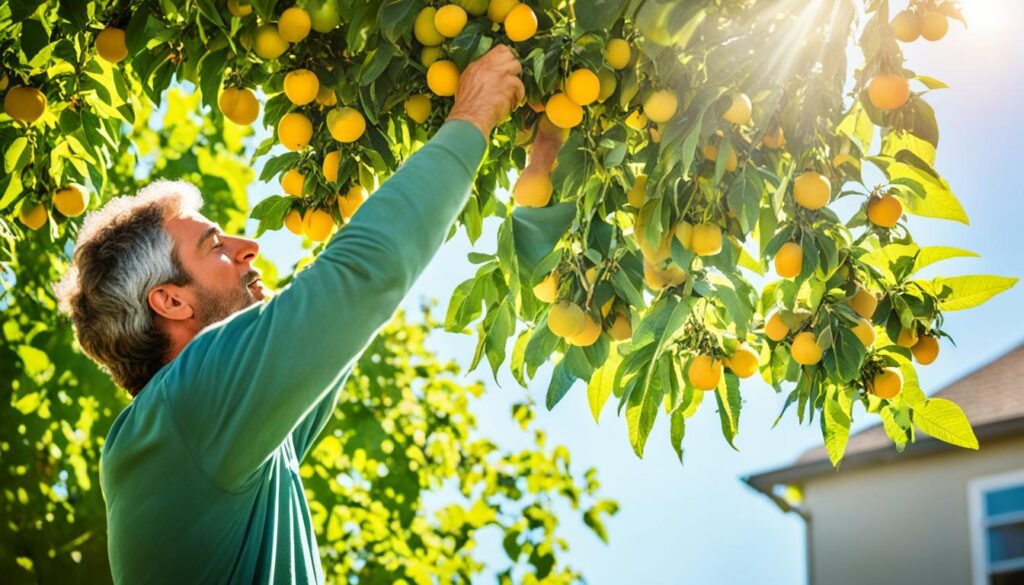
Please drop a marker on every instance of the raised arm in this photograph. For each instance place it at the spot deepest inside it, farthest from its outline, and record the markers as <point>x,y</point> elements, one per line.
<point>242,386</point>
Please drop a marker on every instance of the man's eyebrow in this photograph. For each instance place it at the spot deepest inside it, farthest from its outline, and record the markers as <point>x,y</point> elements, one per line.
<point>209,233</point>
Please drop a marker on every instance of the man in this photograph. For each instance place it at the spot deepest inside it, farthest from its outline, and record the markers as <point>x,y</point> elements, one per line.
<point>200,472</point>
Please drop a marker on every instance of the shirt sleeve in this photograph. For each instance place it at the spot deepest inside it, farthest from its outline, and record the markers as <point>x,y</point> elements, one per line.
<point>310,427</point>
<point>239,389</point>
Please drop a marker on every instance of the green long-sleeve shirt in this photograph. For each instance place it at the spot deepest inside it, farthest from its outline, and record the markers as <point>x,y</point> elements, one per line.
<point>201,472</point>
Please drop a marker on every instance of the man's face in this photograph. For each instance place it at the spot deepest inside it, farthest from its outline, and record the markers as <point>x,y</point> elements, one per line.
<point>223,279</point>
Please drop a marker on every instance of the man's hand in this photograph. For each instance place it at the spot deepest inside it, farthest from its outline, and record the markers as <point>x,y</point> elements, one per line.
<point>489,89</point>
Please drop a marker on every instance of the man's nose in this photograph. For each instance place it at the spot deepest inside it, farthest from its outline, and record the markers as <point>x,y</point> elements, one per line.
<point>247,251</point>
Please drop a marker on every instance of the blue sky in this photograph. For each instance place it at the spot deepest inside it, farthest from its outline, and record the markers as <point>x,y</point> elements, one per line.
<point>699,523</point>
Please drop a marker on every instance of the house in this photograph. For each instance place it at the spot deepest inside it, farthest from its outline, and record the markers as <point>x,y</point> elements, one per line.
<point>933,515</point>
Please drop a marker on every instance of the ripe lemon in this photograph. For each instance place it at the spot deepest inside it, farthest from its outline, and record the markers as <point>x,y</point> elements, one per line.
<point>566,319</point>
<point>317,224</point>
<point>621,330</point>
<point>805,349</point>
<point>638,192</point>
<point>707,239</point>
<point>499,9</point>
<point>660,106</point>
<point>739,110</point>
<point>269,44</point>
<point>617,53</point>
<point>443,78</point>
<point>684,233</point>
<point>294,24</point>
<point>532,189</point>
<point>547,289</point>
<point>291,182</point>
<point>449,20</point>
<point>239,10</point>
<point>789,260</point>
<point>429,54</point>
<point>417,107</point>
<point>775,138</point>
<point>865,332</point>
<point>520,23</point>
<point>332,160</point>
<point>351,201</point>
<point>590,334</point>
<point>662,278</point>
<point>26,104</point>
<point>886,384</point>
<point>743,362</point>
<point>907,338</point>
<point>71,200</point>
<point>293,221</point>
<point>812,190</point>
<point>239,105</point>
<point>33,216</point>
<point>864,303</point>
<point>926,350</point>
<point>636,120</point>
<point>325,97</point>
<point>346,124</point>
<point>563,112</point>
<point>711,153</point>
<point>301,86</point>
<point>294,131</point>
<point>775,328</point>
<point>885,211</point>
<point>583,87</point>
<point>905,26</point>
<point>705,372</point>
<point>889,92</point>
<point>934,25</point>
<point>424,30</point>
<point>110,45</point>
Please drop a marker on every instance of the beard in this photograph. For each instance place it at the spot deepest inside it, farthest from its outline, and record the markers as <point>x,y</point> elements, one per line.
<point>217,305</point>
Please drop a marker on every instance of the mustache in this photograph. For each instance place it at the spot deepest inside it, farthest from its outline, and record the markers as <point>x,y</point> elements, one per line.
<point>250,277</point>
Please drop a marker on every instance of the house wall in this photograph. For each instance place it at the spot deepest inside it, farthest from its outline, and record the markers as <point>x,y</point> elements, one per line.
<point>901,522</point>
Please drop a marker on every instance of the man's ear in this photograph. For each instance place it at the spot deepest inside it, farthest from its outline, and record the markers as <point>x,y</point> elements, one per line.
<point>170,302</point>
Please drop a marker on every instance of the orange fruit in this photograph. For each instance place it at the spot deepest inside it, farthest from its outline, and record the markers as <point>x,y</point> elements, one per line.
<point>743,362</point>
<point>660,106</point>
<point>637,194</point>
<point>325,97</point>
<point>805,349</point>
<point>789,260</point>
<point>429,54</point>
<point>608,83</point>
<point>110,45</point>
<point>532,189</point>
<point>865,332</point>
<point>887,383</point>
<point>711,153</point>
<point>497,10</point>
<point>775,138</point>
<point>812,190</point>
<point>636,120</point>
<point>739,110</point>
<point>566,319</point>
<point>547,289</point>
<point>330,166</point>
<point>864,302</point>
<point>775,328</point>
<point>934,25</point>
<point>294,24</point>
<point>443,78</point>
<point>239,105</point>
<point>563,112</point>
<point>293,221</point>
<point>684,233</point>
<point>617,53</point>
<point>661,278</point>
<point>33,215</point>
<point>291,182</point>
<point>417,107</point>
<point>424,28</point>
<point>905,26</point>
<point>705,372</point>
<point>25,104</point>
<point>889,92</point>
<point>269,44</point>
<point>346,124</point>
<point>301,86</point>
<point>926,350</point>
<point>583,87</point>
<point>450,19</point>
<point>907,338</point>
<point>294,131</point>
<point>351,201</point>
<point>621,330</point>
<point>317,224</point>
<point>707,239</point>
<point>590,334</point>
<point>520,23</point>
<point>885,211</point>
<point>72,200</point>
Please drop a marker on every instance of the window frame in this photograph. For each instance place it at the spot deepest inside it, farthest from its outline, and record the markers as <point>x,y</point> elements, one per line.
<point>976,491</point>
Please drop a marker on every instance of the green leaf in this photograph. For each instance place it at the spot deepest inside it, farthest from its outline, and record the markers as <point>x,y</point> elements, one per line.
<point>729,402</point>
<point>601,384</point>
<point>936,199</point>
<point>931,254</point>
<point>598,15</point>
<point>857,126</point>
<point>677,430</point>
<point>744,197</point>
<point>944,420</point>
<point>835,424</point>
<point>561,382</point>
<point>537,230</point>
<point>15,156</point>
<point>396,17</point>
<point>963,292</point>
<point>642,409</point>
<point>931,82</point>
<point>519,356</point>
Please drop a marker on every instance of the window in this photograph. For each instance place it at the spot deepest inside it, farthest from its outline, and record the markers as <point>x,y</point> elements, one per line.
<point>997,529</point>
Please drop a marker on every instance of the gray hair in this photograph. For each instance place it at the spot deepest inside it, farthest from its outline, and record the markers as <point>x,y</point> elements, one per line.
<point>123,251</point>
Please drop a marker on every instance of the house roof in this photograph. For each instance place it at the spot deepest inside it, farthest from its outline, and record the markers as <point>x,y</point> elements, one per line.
<point>991,396</point>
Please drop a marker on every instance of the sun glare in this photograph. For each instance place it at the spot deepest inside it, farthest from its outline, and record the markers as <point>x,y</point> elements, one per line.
<point>991,17</point>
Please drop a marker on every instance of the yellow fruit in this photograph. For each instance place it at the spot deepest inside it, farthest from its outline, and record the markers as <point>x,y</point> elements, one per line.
<point>301,86</point>
<point>351,201</point>
<point>294,131</point>
<point>660,106</point>
<point>711,153</point>
<point>330,166</point>
<point>239,105</point>
<point>566,319</point>
<point>934,25</point>
<point>684,233</point>
<point>4,81</point>
<point>705,372</point>
<point>325,97</point>
<point>607,306</point>
<point>885,211</point>
<point>638,192</point>
<point>499,9</point>
<point>805,349</point>
<point>291,182</point>
<point>34,216</point>
<point>707,239</point>
<point>443,78</point>
<point>293,221</point>
<point>775,138</point>
<point>239,10</point>
<point>926,350</point>
<point>346,124</point>
<point>474,7</point>
<point>865,332</point>
<point>775,328</point>
<point>636,120</point>
<point>424,30</point>
<point>886,384</point>
<point>590,334</point>
<point>317,224</point>
<point>864,303</point>
<point>269,43</point>
<point>547,289</point>
<point>583,87</point>
<point>110,45</point>
<point>520,23</point>
<point>417,107</point>
<point>812,190</point>
<point>907,338</point>
<point>739,110</point>
<point>621,330</point>
<point>889,92</point>
<point>905,26</point>
<point>789,260</point>
<point>294,24</point>
<point>563,112</point>
<point>71,200</point>
<point>449,20</point>
<point>533,189</point>
<point>653,252</point>
<point>743,362</point>
<point>617,53</point>
<point>429,54</point>
<point>662,278</point>
<point>26,104</point>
